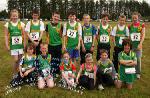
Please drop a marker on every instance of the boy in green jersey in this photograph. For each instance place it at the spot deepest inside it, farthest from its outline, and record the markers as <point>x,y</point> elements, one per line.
<point>34,30</point>
<point>119,32</point>
<point>128,61</point>
<point>88,37</point>
<point>103,35</point>
<point>72,33</point>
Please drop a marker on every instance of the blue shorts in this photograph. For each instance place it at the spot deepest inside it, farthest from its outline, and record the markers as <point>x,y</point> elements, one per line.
<point>73,53</point>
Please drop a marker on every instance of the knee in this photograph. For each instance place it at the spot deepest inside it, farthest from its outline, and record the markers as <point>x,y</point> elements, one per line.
<point>50,84</point>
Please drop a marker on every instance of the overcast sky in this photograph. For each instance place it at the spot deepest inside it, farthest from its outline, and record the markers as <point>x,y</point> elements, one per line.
<point>3,4</point>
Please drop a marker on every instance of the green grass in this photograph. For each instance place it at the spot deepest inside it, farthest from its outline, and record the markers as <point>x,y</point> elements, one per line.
<point>140,90</point>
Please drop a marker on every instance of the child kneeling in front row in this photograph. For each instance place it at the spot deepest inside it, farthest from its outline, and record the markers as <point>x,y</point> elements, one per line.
<point>44,69</point>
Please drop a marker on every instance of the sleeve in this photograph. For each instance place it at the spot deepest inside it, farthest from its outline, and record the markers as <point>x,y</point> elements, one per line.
<point>113,32</point>
<point>129,27</point>
<point>94,30</point>
<point>61,68</point>
<point>22,25</point>
<point>42,28</point>
<point>120,56</point>
<point>27,28</point>
<point>127,31</point>
<point>79,29</point>
<point>46,28</point>
<point>143,27</point>
<point>134,57</point>
<point>65,29</point>
<point>6,25</point>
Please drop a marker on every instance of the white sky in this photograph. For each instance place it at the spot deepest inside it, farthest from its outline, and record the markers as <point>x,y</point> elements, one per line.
<point>3,3</point>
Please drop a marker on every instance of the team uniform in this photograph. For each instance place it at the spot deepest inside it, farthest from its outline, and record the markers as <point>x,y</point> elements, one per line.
<point>88,32</point>
<point>106,73</point>
<point>87,77</point>
<point>44,67</point>
<point>15,37</point>
<point>135,36</point>
<point>27,62</point>
<point>127,73</point>
<point>120,33</point>
<point>68,69</point>
<point>54,38</point>
<point>103,39</point>
<point>72,32</point>
<point>34,30</point>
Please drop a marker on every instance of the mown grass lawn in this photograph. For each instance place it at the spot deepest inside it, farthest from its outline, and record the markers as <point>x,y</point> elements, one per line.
<point>141,87</point>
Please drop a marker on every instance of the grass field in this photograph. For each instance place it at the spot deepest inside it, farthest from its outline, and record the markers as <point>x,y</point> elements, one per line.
<point>141,87</point>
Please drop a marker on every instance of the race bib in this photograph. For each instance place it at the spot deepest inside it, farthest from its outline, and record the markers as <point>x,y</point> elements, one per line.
<point>130,71</point>
<point>104,38</point>
<point>90,75</point>
<point>35,35</point>
<point>46,72</point>
<point>121,40</point>
<point>87,39</point>
<point>135,36</point>
<point>16,40</point>
<point>71,33</point>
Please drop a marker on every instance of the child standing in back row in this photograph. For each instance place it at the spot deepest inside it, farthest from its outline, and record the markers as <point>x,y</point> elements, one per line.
<point>15,39</point>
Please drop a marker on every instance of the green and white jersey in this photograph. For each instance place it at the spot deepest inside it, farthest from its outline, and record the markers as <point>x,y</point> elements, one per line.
<point>120,33</point>
<point>123,56</point>
<point>34,29</point>
<point>15,36</point>
<point>72,36</point>
<point>87,36</point>
<point>135,35</point>
<point>27,62</point>
<point>104,34</point>
<point>55,34</point>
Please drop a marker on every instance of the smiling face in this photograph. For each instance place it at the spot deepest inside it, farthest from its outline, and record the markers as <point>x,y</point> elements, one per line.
<point>135,18</point>
<point>56,18</point>
<point>30,51</point>
<point>86,19</point>
<point>127,48</point>
<point>104,56</point>
<point>122,21</point>
<point>35,17</point>
<point>44,48</point>
<point>66,58</point>
<point>72,18</point>
<point>105,20</point>
<point>14,17</point>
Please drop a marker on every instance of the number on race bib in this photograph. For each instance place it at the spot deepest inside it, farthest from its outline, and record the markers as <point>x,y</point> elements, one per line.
<point>104,38</point>
<point>46,72</point>
<point>16,40</point>
<point>130,70</point>
<point>35,35</point>
<point>87,39</point>
<point>71,33</point>
<point>121,40</point>
<point>135,36</point>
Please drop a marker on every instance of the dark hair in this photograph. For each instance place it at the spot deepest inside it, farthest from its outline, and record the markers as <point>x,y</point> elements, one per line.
<point>65,52</point>
<point>56,12</point>
<point>103,51</point>
<point>126,42</point>
<point>30,46</point>
<point>122,16</point>
<point>35,11</point>
<point>105,15</point>
<point>71,12</point>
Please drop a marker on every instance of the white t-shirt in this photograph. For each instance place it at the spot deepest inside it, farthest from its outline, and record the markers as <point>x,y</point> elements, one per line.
<point>72,24</point>
<point>14,24</point>
<point>113,33</point>
<point>27,28</point>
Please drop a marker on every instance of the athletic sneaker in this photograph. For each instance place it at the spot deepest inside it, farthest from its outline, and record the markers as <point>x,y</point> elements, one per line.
<point>100,87</point>
<point>138,76</point>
